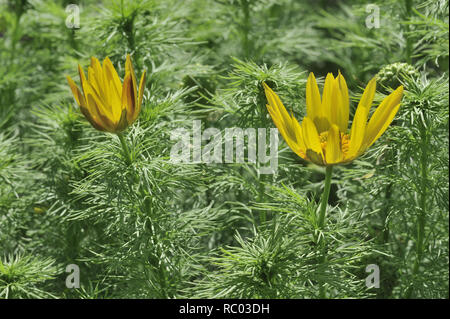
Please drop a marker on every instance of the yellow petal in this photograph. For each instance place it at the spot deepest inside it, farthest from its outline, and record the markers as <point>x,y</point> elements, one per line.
<point>129,69</point>
<point>83,106</point>
<point>112,75</point>
<point>129,97</point>
<point>116,104</point>
<point>313,102</point>
<point>114,88</point>
<point>104,108</point>
<point>358,131</point>
<point>333,150</point>
<point>276,120</point>
<point>279,108</point>
<point>359,125</point>
<point>82,78</point>
<point>94,108</point>
<point>383,116</point>
<point>344,107</point>
<point>278,123</point>
<point>327,90</point>
<point>95,76</point>
<point>324,118</point>
<point>93,119</point>
<point>299,137</point>
<point>141,94</point>
<point>311,136</point>
<point>95,63</point>
<point>275,116</point>
<point>333,111</point>
<point>75,91</point>
<point>94,82</point>
<point>293,144</point>
<point>369,93</point>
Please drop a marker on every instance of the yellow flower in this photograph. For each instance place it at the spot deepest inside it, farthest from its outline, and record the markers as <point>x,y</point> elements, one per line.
<point>322,137</point>
<point>106,103</point>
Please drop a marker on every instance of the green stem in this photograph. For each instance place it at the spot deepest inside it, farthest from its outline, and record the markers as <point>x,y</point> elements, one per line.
<point>423,200</point>
<point>325,195</point>
<point>385,226</point>
<point>153,229</point>
<point>321,223</point>
<point>420,224</point>
<point>125,148</point>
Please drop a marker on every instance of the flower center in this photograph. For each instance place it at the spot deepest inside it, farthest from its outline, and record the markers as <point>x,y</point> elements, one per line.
<point>344,143</point>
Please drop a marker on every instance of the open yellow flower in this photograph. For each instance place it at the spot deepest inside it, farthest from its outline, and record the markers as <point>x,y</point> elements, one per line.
<point>106,103</point>
<point>322,137</point>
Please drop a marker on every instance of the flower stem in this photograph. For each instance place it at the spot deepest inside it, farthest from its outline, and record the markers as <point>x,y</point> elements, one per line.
<point>325,195</point>
<point>421,216</point>
<point>423,198</point>
<point>125,148</point>
<point>321,223</point>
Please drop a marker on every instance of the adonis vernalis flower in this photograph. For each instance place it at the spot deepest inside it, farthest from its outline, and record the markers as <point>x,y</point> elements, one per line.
<point>323,137</point>
<point>106,103</point>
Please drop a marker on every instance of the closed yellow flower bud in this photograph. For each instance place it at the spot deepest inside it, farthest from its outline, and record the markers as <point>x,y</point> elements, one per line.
<point>106,103</point>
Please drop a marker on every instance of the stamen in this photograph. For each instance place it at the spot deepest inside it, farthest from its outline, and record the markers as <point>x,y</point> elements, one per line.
<point>345,138</point>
